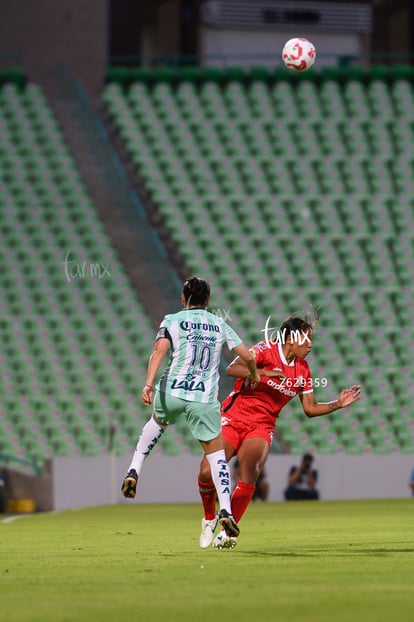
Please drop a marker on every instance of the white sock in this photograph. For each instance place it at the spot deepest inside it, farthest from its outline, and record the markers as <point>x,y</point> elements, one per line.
<point>150,434</point>
<point>220,474</point>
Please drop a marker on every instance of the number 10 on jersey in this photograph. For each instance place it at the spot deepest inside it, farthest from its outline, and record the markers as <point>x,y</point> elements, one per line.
<point>201,355</point>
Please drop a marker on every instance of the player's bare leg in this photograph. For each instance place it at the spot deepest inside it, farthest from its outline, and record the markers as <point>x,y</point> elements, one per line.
<point>252,457</point>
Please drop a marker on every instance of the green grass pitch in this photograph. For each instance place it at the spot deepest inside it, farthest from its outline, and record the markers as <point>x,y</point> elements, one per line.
<point>298,561</point>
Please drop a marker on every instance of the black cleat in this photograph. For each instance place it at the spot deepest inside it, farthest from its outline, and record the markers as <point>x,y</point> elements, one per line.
<point>228,523</point>
<point>129,486</point>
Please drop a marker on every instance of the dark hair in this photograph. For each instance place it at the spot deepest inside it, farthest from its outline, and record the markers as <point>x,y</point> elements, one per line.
<point>196,291</point>
<point>307,457</point>
<point>293,324</point>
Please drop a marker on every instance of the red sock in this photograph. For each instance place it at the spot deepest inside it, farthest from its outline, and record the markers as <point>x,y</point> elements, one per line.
<point>240,499</point>
<point>208,498</point>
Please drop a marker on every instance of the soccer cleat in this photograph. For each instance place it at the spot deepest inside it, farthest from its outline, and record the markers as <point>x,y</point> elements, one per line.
<point>222,541</point>
<point>228,523</point>
<point>129,486</point>
<point>208,528</point>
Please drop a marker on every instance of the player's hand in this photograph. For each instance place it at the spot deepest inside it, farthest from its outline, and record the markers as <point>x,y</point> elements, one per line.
<point>254,381</point>
<point>147,395</point>
<point>348,396</point>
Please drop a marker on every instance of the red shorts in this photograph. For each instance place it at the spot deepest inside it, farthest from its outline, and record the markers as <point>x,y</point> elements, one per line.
<point>236,432</point>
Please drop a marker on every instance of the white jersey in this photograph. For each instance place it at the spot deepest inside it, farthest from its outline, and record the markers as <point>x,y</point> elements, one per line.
<point>197,338</point>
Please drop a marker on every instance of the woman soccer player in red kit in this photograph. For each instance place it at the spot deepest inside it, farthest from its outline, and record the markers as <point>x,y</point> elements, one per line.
<point>248,417</point>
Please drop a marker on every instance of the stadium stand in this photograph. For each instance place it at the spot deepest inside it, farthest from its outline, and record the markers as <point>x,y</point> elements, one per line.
<point>284,189</point>
<point>74,336</point>
<point>276,213</point>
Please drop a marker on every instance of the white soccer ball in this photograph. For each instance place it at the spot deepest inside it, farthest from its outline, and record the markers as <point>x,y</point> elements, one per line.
<point>298,54</point>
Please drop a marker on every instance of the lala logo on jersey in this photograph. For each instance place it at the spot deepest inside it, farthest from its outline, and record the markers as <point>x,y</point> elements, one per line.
<point>189,384</point>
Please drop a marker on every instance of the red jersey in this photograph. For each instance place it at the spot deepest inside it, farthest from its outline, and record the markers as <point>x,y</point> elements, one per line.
<point>261,406</point>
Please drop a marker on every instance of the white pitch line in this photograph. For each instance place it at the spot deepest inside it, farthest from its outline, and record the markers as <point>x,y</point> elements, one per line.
<point>10,519</point>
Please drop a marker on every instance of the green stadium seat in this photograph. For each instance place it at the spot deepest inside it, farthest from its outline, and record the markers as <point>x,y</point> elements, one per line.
<point>48,339</point>
<point>335,182</point>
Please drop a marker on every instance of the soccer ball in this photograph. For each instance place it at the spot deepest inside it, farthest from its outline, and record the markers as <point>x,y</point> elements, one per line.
<point>299,54</point>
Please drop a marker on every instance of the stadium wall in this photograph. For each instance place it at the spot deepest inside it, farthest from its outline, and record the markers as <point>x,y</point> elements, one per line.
<point>46,36</point>
<point>82,481</point>
<point>261,48</point>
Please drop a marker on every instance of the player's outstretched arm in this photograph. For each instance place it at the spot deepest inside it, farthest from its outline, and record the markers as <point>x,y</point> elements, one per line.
<point>312,408</point>
<point>160,349</point>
